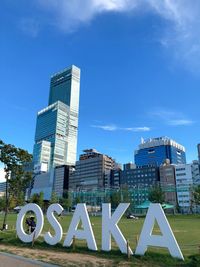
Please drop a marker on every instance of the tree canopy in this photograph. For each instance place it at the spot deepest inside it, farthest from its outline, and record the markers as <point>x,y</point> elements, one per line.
<point>196,195</point>
<point>156,195</point>
<point>17,179</point>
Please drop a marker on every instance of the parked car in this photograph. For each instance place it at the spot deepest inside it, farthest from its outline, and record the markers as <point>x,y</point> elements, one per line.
<point>18,208</point>
<point>131,216</point>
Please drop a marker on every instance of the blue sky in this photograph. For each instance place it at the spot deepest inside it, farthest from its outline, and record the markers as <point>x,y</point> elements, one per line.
<point>140,63</point>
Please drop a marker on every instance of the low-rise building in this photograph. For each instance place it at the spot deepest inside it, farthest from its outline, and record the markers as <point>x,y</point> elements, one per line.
<point>140,181</point>
<point>168,182</point>
<point>129,165</point>
<point>43,182</point>
<point>146,176</point>
<point>184,185</point>
<point>92,171</point>
<point>115,178</point>
<point>61,179</point>
<point>2,189</point>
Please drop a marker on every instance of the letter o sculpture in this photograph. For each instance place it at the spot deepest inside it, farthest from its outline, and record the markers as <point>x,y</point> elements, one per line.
<point>39,226</point>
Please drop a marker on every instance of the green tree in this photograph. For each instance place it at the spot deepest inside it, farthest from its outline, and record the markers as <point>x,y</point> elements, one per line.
<point>38,199</point>
<point>156,195</point>
<point>54,198</point>
<point>41,200</point>
<point>126,198</point>
<point>12,202</point>
<point>66,201</point>
<point>2,203</point>
<point>21,199</point>
<point>125,195</point>
<point>13,159</point>
<point>34,198</point>
<point>196,195</point>
<point>78,199</point>
<point>18,183</point>
<point>115,198</point>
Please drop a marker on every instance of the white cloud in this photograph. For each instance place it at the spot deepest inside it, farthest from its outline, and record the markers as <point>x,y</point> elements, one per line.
<point>182,31</point>
<point>69,14</point>
<point>172,118</point>
<point>182,36</point>
<point>106,127</point>
<point>141,129</point>
<point>180,122</point>
<point>112,127</point>
<point>182,12</point>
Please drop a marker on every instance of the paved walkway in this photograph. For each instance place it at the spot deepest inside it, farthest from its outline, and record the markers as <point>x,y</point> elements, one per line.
<point>10,260</point>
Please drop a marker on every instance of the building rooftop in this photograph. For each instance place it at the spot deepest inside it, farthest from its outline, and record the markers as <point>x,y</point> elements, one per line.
<point>71,68</point>
<point>159,141</point>
<point>91,153</point>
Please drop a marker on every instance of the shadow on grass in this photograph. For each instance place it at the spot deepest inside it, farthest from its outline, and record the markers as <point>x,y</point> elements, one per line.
<point>149,259</point>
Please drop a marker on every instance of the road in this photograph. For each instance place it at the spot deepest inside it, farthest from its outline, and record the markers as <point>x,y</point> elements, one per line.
<point>10,260</point>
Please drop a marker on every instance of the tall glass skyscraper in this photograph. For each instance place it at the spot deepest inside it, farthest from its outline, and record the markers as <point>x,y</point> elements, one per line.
<point>198,149</point>
<point>64,86</point>
<point>57,124</point>
<point>154,151</point>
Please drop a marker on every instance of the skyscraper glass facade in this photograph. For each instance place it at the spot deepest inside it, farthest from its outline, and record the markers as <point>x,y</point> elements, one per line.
<point>42,152</point>
<point>64,87</point>
<point>58,123</point>
<point>198,149</point>
<point>52,126</point>
<point>154,151</point>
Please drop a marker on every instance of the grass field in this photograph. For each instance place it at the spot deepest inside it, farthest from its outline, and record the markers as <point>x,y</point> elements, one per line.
<point>185,227</point>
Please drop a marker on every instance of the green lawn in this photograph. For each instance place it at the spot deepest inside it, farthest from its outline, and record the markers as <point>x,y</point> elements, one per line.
<point>185,227</point>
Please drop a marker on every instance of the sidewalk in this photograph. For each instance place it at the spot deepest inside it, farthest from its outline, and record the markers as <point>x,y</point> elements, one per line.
<point>10,260</point>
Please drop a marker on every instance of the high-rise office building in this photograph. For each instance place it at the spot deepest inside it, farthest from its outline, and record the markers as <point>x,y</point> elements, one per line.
<point>198,149</point>
<point>64,87</point>
<point>195,172</point>
<point>155,151</point>
<point>56,134</point>
<point>57,124</point>
<point>53,128</point>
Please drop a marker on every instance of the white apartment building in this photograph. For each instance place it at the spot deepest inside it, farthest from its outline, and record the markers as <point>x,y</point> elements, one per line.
<point>184,184</point>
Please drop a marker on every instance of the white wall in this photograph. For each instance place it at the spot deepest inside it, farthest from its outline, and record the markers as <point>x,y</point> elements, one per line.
<point>184,181</point>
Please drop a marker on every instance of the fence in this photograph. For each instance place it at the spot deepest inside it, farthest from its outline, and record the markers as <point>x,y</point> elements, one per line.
<point>180,197</point>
